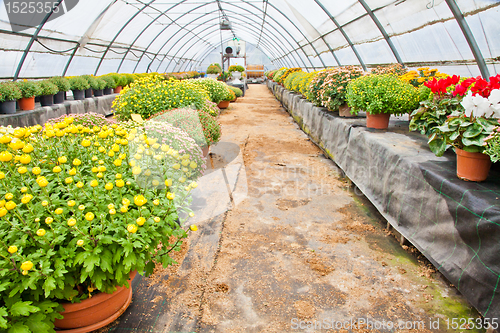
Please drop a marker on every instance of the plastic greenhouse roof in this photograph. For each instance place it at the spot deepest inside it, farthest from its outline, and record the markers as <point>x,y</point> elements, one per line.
<point>100,36</point>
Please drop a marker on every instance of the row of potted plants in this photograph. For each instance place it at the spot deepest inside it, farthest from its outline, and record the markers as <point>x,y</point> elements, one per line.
<point>452,111</point>
<point>53,91</point>
<point>215,71</point>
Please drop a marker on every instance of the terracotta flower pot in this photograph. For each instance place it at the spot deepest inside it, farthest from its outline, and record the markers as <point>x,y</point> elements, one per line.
<point>118,89</point>
<point>234,100</point>
<point>345,111</point>
<point>378,121</point>
<point>472,166</point>
<point>205,150</point>
<point>95,312</point>
<point>223,105</point>
<point>26,104</point>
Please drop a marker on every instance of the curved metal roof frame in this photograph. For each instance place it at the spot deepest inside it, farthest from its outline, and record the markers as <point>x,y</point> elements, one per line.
<point>252,13</point>
<point>236,18</point>
<point>342,31</point>
<point>166,54</point>
<point>145,28</point>
<point>451,4</point>
<point>212,48</point>
<point>216,30</point>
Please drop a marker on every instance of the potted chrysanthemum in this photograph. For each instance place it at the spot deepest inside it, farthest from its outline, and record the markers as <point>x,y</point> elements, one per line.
<point>78,220</point>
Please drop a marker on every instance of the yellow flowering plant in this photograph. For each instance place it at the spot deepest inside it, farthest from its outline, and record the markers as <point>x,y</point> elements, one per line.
<point>151,94</point>
<point>418,77</point>
<point>77,217</point>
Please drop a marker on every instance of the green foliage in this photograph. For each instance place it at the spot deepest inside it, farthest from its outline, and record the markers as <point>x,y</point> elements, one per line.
<point>9,91</point>
<point>110,81</point>
<point>382,94</point>
<point>217,91</point>
<point>237,91</point>
<point>492,147</point>
<point>28,88</point>
<point>78,83</point>
<point>47,88</point>
<point>150,95</point>
<point>460,131</point>
<point>432,114</point>
<point>61,83</point>
<point>95,82</point>
<point>211,108</point>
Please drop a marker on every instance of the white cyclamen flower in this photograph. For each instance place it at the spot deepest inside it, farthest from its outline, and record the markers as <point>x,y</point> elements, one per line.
<point>477,106</point>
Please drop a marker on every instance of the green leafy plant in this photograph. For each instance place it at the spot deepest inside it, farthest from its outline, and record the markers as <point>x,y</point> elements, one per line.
<point>61,83</point>
<point>81,208</point>
<point>223,76</point>
<point>433,113</point>
<point>110,81</point>
<point>78,83</point>
<point>279,73</point>
<point>381,94</point>
<point>28,89</point>
<point>9,91</point>
<point>95,82</point>
<point>283,76</point>
<point>47,88</point>
<point>492,145</point>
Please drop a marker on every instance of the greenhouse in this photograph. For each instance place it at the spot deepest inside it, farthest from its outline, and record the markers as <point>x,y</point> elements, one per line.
<point>249,166</point>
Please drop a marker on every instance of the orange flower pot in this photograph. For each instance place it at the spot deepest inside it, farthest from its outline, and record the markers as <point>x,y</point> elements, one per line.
<point>96,312</point>
<point>205,150</point>
<point>345,111</point>
<point>377,121</point>
<point>118,89</point>
<point>472,166</point>
<point>26,104</point>
<point>223,105</point>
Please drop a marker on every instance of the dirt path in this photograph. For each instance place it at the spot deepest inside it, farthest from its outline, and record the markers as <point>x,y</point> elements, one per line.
<point>299,248</point>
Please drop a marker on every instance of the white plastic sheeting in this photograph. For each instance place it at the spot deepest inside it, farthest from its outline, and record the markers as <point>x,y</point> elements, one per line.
<point>101,36</point>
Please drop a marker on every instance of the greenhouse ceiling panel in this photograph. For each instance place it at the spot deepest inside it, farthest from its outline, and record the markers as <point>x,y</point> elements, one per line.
<point>71,37</point>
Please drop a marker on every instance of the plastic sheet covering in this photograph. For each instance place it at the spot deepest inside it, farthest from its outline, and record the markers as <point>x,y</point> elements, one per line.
<point>110,34</point>
<point>455,224</point>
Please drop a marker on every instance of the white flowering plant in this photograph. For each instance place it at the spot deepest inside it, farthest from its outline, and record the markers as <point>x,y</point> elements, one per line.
<point>469,126</point>
<point>77,218</point>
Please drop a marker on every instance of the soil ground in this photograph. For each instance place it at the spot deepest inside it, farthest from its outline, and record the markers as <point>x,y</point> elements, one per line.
<point>294,248</point>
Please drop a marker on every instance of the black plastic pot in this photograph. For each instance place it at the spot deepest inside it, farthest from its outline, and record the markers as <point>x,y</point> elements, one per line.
<point>47,100</point>
<point>8,107</point>
<point>108,91</point>
<point>59,98</point>
<point>98,92</point>
<point>78,94</point>
<point>88,93</point>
